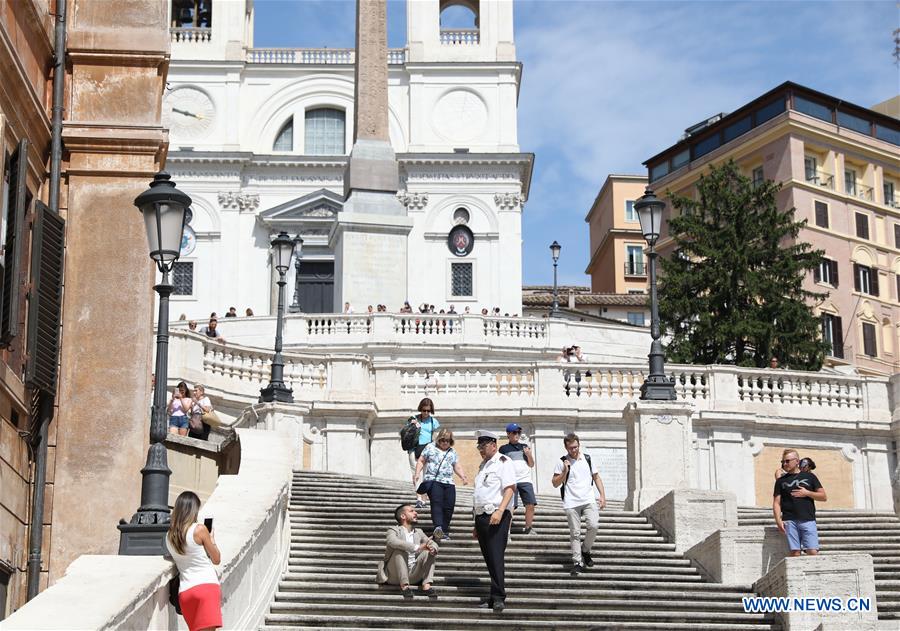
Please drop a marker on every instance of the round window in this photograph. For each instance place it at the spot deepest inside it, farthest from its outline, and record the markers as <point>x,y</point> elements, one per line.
<point>460,216</point>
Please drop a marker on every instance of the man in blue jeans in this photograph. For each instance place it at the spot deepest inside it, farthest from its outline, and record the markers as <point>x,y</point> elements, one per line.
<point>794,505</point>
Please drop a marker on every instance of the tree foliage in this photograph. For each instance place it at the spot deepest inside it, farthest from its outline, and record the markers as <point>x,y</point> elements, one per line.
<point>732,293</point>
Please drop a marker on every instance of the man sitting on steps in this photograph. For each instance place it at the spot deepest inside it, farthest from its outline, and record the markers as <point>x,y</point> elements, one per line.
<point>409,555</point>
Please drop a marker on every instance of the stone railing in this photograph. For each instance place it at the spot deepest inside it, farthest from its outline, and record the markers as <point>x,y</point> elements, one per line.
<point>460,36</point>
<point>326,56</point>
<point>536,338</point>
<point>191,35</point>
<point>427,357</point>
<point>127,592</point>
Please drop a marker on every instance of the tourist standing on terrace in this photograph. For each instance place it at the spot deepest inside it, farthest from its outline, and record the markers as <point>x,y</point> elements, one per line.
<point>194,550</point>
<point>179,409</point>
<point>794,505</point>
<point>575,477</point>
<point>427,424</point>
<point>495,485</point>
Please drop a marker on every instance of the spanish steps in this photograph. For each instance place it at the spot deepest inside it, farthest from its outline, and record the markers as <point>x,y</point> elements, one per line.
<point>867,532</point>
<point>338,525</point>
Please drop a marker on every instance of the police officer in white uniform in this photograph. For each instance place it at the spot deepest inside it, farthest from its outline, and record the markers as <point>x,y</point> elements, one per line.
<point>495,485</point>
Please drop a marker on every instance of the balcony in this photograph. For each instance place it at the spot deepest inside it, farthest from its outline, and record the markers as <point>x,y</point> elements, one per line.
<point>855,189</point>
<point>314,56</point>
<point>460,37</point>
<point>820,178</point>
<point>635,268</point>
<point>190,34</point>
<point>892,200</point>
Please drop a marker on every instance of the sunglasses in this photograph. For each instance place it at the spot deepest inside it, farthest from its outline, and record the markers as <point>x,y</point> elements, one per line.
<point>444,440</point>
<point>788,460</point>
<point>482,443</point>
<point>427,410</point>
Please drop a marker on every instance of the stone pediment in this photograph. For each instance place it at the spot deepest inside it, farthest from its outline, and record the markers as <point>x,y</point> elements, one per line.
<point>318,207</point>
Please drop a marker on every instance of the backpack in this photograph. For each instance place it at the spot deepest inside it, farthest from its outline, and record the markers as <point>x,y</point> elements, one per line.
<point>562,489</point>
<point>409,435</point>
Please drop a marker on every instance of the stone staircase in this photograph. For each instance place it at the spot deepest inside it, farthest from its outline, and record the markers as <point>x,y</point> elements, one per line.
<point>875,533</point>
<point>338,528</point>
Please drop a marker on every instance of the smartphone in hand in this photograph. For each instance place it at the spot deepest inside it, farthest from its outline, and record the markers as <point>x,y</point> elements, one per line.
<point>208,522</point>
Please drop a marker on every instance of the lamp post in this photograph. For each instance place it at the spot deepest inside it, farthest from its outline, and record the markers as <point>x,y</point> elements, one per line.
<point>164,208</point>
<point>656,387</point>
<point>283,247</point>
<point>554,252</point>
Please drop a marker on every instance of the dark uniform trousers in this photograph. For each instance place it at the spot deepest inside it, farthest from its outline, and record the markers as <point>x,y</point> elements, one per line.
<point>492,540</point>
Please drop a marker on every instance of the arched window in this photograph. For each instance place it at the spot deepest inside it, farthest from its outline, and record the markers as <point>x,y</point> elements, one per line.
<point>324,132</point>
<point>284,141</point>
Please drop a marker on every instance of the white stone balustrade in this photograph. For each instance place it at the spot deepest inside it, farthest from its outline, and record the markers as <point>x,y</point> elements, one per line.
<point>460,37</point>
<point>320,56</point>
<point>192,35</point>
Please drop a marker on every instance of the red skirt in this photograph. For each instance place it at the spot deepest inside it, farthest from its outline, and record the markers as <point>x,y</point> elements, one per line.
<point>201,606</point>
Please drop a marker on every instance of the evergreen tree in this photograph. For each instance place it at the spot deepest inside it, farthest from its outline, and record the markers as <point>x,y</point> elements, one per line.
<point>732,293</point>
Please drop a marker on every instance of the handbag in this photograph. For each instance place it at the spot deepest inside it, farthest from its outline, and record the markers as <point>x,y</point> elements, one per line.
<point>425,486</point>
<point>196,422</point>
<point>211,418</point>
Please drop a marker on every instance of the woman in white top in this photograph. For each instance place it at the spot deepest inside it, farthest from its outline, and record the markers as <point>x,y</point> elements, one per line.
<point>194,550</point>
<point>179,409</point>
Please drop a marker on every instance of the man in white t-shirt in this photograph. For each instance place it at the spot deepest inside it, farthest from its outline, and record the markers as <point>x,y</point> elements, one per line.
<point>575,476</point>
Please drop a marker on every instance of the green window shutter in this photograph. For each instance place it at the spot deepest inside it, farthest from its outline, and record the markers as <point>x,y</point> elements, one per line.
<point>9,317</point>
<point>45,304</point>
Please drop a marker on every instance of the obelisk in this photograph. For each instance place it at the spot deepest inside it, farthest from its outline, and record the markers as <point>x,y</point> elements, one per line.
<point>370,235</point>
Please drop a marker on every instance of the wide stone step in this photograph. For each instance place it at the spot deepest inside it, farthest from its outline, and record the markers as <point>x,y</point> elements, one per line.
<point>437,609</point>
<point>361,524</point>
<point>523,543</point>
<point>488,620</point>
<point>457,567</point>
<point>530,560</point>
<point>591,578</point>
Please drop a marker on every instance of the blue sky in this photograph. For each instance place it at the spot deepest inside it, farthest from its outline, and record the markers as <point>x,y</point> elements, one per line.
<point>606,85</point>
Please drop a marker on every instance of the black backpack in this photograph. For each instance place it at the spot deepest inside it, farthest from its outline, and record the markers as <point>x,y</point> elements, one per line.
<point>562,489</point>
<point>409,435</point>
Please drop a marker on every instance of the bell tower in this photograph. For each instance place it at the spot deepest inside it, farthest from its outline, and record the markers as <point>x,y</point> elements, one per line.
<point>210,29</point>
<point>487,36</point>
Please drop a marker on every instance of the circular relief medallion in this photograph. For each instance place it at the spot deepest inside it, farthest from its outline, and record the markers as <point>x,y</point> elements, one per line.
<point>461,241</point>
<point>188,241</point>
<point>460,115</point>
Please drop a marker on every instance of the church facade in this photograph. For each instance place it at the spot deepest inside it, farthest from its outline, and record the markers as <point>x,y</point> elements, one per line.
<point>260,140</point>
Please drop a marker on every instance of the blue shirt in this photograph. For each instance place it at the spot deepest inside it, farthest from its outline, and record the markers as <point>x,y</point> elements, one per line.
<point>427,429</point>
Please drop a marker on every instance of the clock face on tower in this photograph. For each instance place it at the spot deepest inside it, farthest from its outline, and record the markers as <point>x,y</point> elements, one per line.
<point>188,112</point>
<point>459,115</point>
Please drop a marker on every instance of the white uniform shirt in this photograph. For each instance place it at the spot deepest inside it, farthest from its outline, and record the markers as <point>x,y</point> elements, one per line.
<point>580,489</point>
<point>493,476</point>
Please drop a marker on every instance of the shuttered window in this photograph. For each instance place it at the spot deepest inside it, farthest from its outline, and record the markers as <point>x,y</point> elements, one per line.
<point>833,335</point>
<point>870,347</point>
<point>45,303</point>
<point>862,226</point>
<point>822,214</point>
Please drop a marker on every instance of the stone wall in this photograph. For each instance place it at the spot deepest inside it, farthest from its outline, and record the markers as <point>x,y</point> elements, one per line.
<point>250,512</point>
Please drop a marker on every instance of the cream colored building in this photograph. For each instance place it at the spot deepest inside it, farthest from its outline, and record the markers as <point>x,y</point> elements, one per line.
<point>617,262</point>
<point>839,165</point>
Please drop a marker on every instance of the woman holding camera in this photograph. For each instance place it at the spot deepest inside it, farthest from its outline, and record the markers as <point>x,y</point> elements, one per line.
<point>194,550</point>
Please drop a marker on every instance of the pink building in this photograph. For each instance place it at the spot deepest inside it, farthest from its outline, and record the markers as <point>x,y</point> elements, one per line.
<point>840,169</point>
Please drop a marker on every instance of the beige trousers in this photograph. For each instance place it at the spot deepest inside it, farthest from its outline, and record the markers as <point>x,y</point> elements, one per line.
<point>398,571</point>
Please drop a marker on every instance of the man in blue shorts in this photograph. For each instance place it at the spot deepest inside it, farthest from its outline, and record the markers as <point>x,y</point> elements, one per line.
<point>794,505</point>
<point>520,453</point>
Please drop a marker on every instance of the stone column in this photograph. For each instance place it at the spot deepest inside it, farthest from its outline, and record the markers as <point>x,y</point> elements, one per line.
<point>118,55</point>
<point>370,236</point>
<point>659,450</point>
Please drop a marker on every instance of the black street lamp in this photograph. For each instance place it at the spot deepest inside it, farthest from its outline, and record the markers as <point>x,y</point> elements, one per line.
<point>164,208</point>
<point>554,252</point>
<point>283,247</point>
<point>657,387</point>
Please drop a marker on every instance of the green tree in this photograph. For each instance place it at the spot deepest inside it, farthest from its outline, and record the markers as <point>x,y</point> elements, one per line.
<point>732,293</point>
